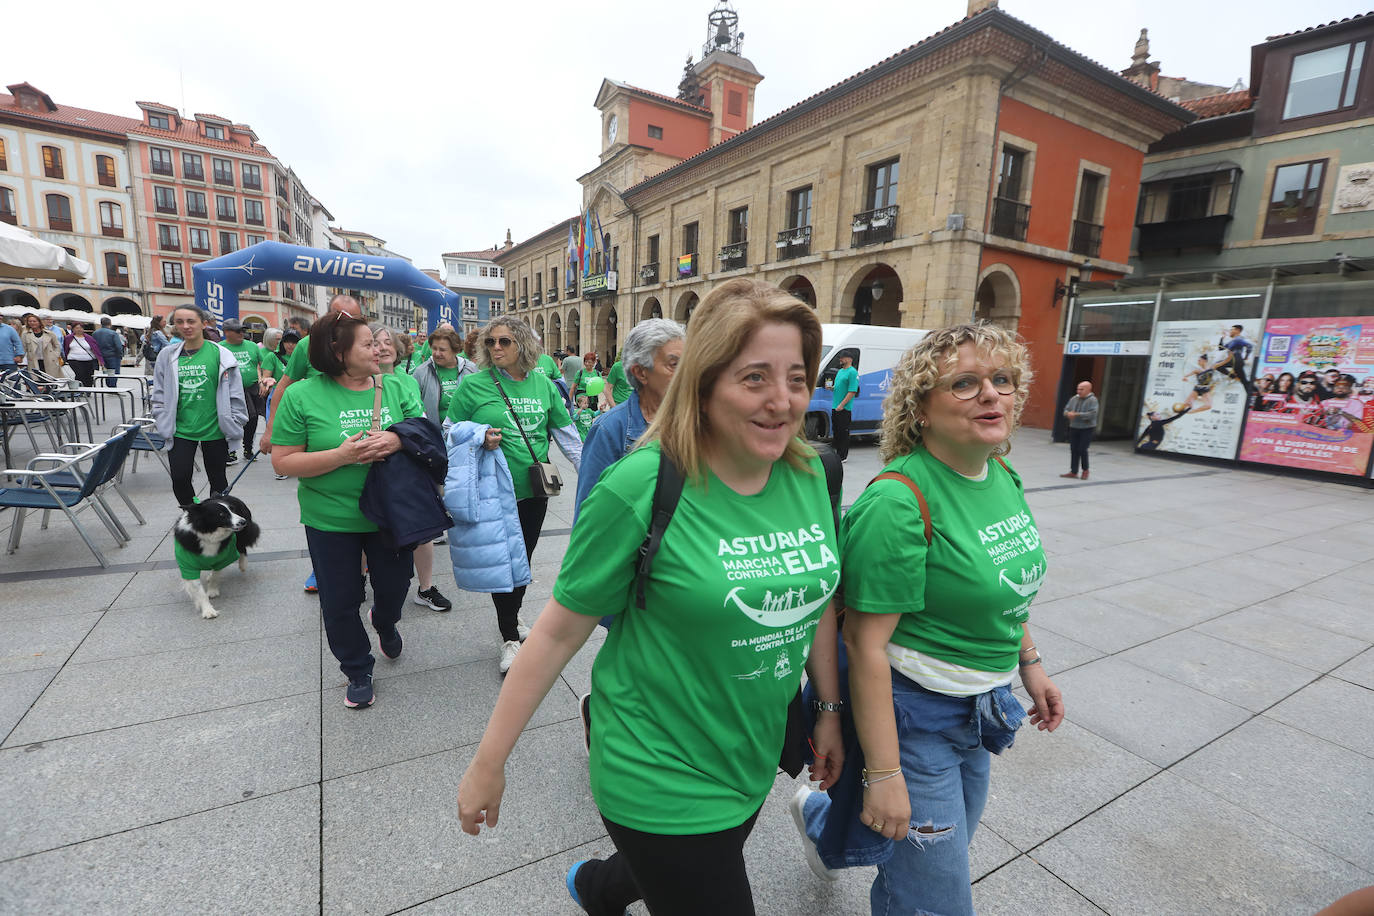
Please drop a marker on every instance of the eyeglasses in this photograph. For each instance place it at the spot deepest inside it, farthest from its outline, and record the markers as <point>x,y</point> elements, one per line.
<point>967,386</point>
<point>503,342</point>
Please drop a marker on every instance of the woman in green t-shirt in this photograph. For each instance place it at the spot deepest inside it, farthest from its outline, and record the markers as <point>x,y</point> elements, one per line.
<point>937,597</point>
<point>439,375</point>
<point>691,691</point>
<point>321,435</point>
<point>507,354</point>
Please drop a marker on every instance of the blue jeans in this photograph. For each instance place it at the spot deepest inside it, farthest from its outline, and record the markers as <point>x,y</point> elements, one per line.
<point>944,743</point>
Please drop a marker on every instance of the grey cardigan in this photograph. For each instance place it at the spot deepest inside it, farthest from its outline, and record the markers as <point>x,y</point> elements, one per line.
<point>229,401</point>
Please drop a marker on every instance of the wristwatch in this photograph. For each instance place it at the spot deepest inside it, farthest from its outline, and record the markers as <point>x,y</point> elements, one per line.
<point>822,706</point>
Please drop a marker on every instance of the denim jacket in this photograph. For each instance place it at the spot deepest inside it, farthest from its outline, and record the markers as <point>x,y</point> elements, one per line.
<point>847,843</point>
<point>611,437</point>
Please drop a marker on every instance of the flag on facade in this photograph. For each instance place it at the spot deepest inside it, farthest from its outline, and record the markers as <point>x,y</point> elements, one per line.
<point>572,248</point>
<point>581,243</point>
<point>601,244</point>
<point>587,249</point>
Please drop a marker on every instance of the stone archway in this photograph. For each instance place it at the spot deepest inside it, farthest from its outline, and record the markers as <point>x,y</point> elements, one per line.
<point>120,305</point>
<point>685,307</point>
<point>63,301</point>
<point>19,297</point>
<point>651,309</point>
<point>539,332</point>
<point>610,336</point>
<point>555,331</point>
<point>999,297</point>
<point>574,330</point>
<point>800,287</point>
<point>873,295</point>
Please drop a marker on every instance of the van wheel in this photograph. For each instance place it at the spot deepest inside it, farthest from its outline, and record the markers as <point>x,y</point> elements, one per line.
<point>816,427</point>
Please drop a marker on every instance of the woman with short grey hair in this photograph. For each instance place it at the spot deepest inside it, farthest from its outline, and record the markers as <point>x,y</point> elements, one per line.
<point>652,350</point>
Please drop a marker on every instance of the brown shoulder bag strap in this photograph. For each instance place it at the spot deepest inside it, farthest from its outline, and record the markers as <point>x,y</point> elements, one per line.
<point>376,405</point>
<point>916,491</point>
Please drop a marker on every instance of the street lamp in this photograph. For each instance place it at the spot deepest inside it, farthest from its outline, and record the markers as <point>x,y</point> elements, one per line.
<point>1085,273</point>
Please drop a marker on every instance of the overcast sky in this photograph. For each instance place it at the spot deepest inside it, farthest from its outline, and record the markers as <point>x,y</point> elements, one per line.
<point>439,126</point>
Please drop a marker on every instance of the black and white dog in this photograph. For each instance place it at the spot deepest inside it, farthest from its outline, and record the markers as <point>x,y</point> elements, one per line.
<point>210,535</point>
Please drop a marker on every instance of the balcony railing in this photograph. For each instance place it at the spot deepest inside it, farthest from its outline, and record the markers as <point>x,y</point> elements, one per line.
<point>112,232</point>
<point>1207,233</point>
<point>62,224</point>
<point>873,227</point>
<point>524,302</point>
<point>1010,219</point>
<point>734,256</point>
<point>9,216</point>
<point>1087,239</point>
<point>226,178</point>
<point>119,279</point>
<point>197,212</point>
<point>793,243</point>
<point>200,249</point>
<point>166,208</point>
<point>250,184</point>
<point>648,273</point>
<point>168,245</point>
<point>159,168</point>
<point>537,299</point>
<point>687,265</point>
<point>553,294</point>
<point>195,173</point>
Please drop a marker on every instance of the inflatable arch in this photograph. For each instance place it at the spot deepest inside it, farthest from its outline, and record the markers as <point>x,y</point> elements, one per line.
<point>217,283</point>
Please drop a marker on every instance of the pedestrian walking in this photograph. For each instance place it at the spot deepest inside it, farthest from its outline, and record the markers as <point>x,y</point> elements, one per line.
<point>198,403</point>
<point>12,354</point>
<point>438,376</point>
<point>525,413</point>
<point>326,430</point>
<point>42,351</point>
<point>82,353</point>
<point>1081,411</point>
<point>111,344</point>
<point>941,562</point>
<point>249,356</point>
<point>845,391</point>
<point>154,343</point>
<point>427,593</point>
<point>689,712</point>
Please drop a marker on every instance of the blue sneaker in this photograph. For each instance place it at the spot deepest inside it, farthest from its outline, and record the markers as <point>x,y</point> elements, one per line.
<point>359,694</point>
<point>572,884</point>
<point>310,586</point>
<point>390,644</point>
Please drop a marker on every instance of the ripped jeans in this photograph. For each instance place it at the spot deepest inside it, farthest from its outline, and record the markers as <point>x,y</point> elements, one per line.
<point>945,760</point>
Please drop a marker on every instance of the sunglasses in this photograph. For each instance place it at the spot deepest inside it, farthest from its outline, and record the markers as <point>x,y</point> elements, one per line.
<point>503,342</point>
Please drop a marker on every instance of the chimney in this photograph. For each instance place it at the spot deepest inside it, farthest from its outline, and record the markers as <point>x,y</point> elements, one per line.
<point>977,6</point>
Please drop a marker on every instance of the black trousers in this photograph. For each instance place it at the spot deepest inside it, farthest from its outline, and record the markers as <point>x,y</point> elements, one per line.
<point>1078,447</point>
<point>532,512</point>
<point>182,462</point>
<point>257,406</point>
<point>338,560</point>
<point>839,431</point>
<point>674,875</point>
<point>84,370</point>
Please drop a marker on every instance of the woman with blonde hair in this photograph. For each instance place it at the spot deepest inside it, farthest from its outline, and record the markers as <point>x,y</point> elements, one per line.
<point>692,686</point>
<point>942,560</point>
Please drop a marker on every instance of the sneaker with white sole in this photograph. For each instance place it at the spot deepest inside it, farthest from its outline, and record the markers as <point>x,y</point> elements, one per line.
<point>522,630</point>
<point>232,458</point>
<point>391,643</point>
<point>508,652</point>
<point>359,694</point>
<point>432,599</point>
<point>813,857</point>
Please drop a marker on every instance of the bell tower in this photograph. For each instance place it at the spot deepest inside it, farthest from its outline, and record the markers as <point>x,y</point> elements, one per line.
<point>723,80</point>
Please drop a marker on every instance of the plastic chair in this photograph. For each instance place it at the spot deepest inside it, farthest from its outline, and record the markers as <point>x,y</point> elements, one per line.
<point>148,440</point>
<point>73,479</point>
<point>39,493</point>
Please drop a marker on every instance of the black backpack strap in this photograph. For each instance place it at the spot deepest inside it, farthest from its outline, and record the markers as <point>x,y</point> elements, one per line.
<point>834,478</point>
<point>667,492</point>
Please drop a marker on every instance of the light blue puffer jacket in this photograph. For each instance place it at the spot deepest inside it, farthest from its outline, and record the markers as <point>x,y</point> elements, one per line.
<point>485,543</point>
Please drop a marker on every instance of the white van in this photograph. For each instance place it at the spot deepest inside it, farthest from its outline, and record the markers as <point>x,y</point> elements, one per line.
<point>875,351</point>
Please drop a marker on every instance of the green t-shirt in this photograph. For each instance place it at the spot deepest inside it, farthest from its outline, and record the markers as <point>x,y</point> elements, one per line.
<point>846,380</point>
<point>620,386</point>
<point>408,381</point>
<point>584,417</point>
<point>583,377</point>
<point>692,692</point>
<point>197,384</point>
<point>421,354</point>
<point>538,403</point>
<point>448,383</point>
<point>547,366</point>
<point>298,366</point>
<point>964,599</point>
<point>192,565</point>
<point>269,364</point>
<point>319,413</point>
<point>249,356</point>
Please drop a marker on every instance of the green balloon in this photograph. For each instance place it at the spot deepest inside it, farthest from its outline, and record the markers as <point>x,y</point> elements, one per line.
<point>595,386</point>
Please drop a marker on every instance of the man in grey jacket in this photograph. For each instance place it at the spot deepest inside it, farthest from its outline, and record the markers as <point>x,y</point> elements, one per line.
<point>1082,415</point>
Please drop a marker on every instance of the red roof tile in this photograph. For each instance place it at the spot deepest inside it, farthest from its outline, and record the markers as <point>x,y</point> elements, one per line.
<point>189,132</point>
<point>486,254</point>
<point>1322,26</point>
<point>672,100</point>
<point>202,116</point>
<point>81,118</point>
<point>171,108</point>
<point>1212,106</point>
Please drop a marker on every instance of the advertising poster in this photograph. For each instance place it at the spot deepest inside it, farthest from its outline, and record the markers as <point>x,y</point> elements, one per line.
<point>1197,389</point>
<point>1313,405</point>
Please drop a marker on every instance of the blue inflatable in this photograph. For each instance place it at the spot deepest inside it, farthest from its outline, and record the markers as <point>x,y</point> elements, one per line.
<point>217,283</point>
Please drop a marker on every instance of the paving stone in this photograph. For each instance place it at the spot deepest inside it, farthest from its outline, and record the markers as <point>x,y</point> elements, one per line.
<point>43,642</point>
<point>57,595</point>
<point>268,583</point>
<point>1348,617</point>
<point>18,691</point>
<point>1253,768</point>
<point>1139,710</point>
<point>259,856</point>
<point>1097,623</point>
<point>1284,638</point>
<point>432,640</point>
<point>1024,888</point>
<point>401,821</point>
<point>1359,670</point>
<point>73,789</point>
<point>1059,652</point>
<point>99,695</point>
<point>422,713</point>
<point>128,632</point>
<point>1171,848</point>
<point>1222,669</point>
<point>1046,781</point>
<point>1333,709</point>
<point>1158,598</point>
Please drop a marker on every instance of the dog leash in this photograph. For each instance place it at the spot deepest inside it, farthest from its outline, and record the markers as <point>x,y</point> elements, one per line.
<point>246,465</point>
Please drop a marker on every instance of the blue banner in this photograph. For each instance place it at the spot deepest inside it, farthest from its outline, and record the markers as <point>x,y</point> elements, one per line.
<point>217,283</point>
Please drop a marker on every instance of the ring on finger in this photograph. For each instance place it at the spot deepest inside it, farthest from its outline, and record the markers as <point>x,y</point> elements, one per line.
<point>877,826</point>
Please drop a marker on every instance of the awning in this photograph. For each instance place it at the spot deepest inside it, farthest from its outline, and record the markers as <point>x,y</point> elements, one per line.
<point>24,256</point>
<point>1224,166</point>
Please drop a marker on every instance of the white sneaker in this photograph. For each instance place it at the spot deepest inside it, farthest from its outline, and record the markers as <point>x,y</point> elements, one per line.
<point>813,857</point>
<point>508,651</point>
<point>522,630</point>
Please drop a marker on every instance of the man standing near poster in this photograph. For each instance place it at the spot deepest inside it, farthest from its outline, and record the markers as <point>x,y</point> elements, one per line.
<point>846,389</point>
<point>1081,412</point>
<point>1239,349</point>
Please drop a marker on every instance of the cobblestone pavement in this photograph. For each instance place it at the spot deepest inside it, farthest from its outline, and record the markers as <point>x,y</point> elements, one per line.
<point>1211,630</point>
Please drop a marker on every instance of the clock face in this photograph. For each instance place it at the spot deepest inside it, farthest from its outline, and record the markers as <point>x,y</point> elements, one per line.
<point>612,127</point>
